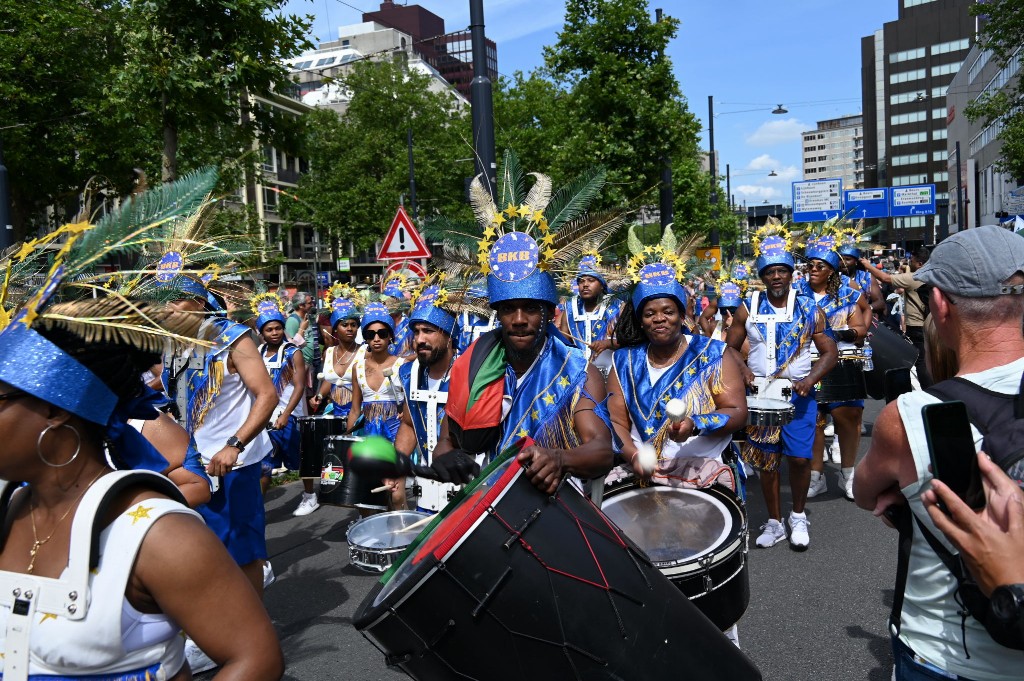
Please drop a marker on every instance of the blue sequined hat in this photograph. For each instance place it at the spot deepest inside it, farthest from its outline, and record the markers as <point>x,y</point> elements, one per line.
<point>823,247</point>
<point>658,280</point>
<point>729,294</point>
<point>268,308</point>
<point>427,306</point>
<point>588,268</point>
<point>342,309</point>
<point>377,312</point>
<point>772,246</point>
<point>515,273</point>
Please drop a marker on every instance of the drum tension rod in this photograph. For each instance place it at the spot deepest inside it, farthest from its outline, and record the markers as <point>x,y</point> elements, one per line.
<point>489,594</point>
<point>518,533</point>
<point>705,563</point>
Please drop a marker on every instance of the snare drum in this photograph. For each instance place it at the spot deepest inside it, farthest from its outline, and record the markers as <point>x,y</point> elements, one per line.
<point>696,537</point>
<point>312,432</point>
<point>511,584</point>
<point>767,412</point>
<point>844,383</point>
<point>375,542</point>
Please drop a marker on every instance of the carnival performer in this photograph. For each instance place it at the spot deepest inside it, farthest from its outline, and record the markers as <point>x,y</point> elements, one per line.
<point>730,289</point>
<point>781,327</point>
<point>847,315</point>
<point>526,381</point>
<point>287,370</point>
<point>853,242</point>
<point>588,317</point>
<point>64,421</point>
<point>398,286</point>
<point>337,377</point>
<point>425,380</point>
<point>660,362</point>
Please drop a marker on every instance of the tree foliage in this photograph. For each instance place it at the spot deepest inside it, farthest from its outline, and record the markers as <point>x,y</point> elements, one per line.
<point>1003,33</point>
<point>359,163</point>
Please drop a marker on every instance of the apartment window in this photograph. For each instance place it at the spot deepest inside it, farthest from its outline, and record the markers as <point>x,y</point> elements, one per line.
<point>906,76</point>
<point>914,3</point>
<point>1004,75</point>
<point>345,43</point>
<point>269,159</point>
<point>907,159</point>
<point>903,98</point>
<point>939,114</point>
<point>945,69</point>
<point>905,55</point>
<point>821,147</point>
<point>269,200</point>
<point>904,180</point>
<point>940,134</point>
<point>326,61</point>
<point>939,91</point>
<point>951,46</point>
<point>978,65</point>
<point>806,149</point>
<point>940,155</point>
<point>911,138</point>
<point>941,177</point>
<point>912,117</point>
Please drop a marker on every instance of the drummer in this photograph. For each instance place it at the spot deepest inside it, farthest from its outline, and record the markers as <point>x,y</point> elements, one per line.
<point>658,362</point>
<point>588,318</point>
<point>434,327</point>
<point>521,379</point>
<point>847,313</point>
<point>287,370</point>
<point>781,327</point>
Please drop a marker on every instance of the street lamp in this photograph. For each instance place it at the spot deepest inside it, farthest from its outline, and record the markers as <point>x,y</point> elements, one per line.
<point>780,110</point>
<point>773,174</point>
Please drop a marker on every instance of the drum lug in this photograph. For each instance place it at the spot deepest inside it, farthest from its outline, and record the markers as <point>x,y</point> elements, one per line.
<point>705,563</point>
<point>517,533</point>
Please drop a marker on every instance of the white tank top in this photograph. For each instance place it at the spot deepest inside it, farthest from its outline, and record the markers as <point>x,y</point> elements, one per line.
<point>331,376</point>
<point>230,409</point>
<point>112,637</point>
<point>388,391</point>
<point>758,359</point>
<point>287,389</point>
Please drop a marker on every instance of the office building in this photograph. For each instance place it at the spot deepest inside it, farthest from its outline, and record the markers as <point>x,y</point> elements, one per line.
<point>836,150</point>
<point>906,68</point>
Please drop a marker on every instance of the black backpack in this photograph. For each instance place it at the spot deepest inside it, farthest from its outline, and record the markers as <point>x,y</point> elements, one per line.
<point>1000,420</point>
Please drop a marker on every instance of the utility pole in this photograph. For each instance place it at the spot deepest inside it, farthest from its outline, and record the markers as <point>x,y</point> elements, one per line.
<point>6,228</point>
<point>961,219</point>
<point>412,182</point>
<point>483,106</point>
<point>711,164</point>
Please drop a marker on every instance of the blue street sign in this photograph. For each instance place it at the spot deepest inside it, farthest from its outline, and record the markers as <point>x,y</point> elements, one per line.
<point>323,278</point>
<point>918,199</point>
<point>864,204</point>
<point>817,200</point>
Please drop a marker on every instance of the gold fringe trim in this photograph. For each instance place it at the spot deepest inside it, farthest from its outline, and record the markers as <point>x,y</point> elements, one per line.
<point>759,458</point>
<point>204,401</point>
<point>558,431</point>
<point>764,434</point>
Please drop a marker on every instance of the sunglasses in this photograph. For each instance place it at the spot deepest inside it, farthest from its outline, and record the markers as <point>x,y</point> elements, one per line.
<point>818,266</point>
<point>380,333</point>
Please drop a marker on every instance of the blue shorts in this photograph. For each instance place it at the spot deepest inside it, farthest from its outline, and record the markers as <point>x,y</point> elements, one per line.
<point>286,446</point>
<point>235,514</point>
<point>798,434</point>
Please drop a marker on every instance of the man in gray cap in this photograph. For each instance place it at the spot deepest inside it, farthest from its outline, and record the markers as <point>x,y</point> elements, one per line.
<point>976,299</point>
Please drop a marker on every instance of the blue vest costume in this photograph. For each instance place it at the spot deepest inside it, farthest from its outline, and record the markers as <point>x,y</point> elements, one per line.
<point>600,329</point>
<point>418,409</point>
<point>837,308</point>
<point>285,440</point>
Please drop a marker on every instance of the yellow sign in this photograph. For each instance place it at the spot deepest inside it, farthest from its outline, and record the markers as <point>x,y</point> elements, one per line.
<point>712,254</point>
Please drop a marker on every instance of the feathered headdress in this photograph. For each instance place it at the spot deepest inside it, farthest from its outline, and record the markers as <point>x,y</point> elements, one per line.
<point>537,233</point>
<point>773,245</point>
<point>660,271</point>
<point>591,264</point>
<point>732,283</point>
<point>854,239</point>
<point>398,284</point>
<point>345,303</point>
<point>267,307</point>
<point>821,241</point>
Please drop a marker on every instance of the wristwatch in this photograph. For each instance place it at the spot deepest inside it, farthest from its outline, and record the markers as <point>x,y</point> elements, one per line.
<point>233,441</point>
<point>1007,605</point>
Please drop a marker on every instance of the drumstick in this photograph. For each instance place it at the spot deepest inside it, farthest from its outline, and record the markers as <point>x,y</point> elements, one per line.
<point>418,523</point>
<point>377,490</point>
<point>675,410</point>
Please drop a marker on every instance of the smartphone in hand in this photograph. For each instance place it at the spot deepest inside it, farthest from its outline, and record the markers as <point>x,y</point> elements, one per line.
<point>952,451</point>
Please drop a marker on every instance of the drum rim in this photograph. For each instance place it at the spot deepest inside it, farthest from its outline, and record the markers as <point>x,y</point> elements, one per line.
<point>376,518</point>
<point>730,507</point>
<point>755,401</point>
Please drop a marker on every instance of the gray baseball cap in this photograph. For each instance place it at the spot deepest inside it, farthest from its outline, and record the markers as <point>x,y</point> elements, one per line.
<point>975,263</point>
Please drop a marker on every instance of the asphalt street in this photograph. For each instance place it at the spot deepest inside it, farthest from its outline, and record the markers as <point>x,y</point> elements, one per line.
<point>818,614</point>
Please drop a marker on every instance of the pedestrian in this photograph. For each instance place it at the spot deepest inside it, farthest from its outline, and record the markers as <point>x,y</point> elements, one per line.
<point>977,304</point>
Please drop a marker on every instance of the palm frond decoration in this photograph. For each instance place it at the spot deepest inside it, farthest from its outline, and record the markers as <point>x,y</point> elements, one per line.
<point>570,201</point>
<point>441,229</point>
<point>483,205</point>
<point>512,183</point>
<point>540,193</point>
<point>580,234</point>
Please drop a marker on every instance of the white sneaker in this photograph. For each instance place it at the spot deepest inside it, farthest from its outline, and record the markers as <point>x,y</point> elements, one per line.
<point>268,575</point>
<point>846,484</point>
<point>818,485</point>
<point>307,505</point>
<point>198,661</point>
<point>799,534</point>
<point>863,428</point>
<point>834,453</point>
<point>830,429</point>
<point>772,532</point>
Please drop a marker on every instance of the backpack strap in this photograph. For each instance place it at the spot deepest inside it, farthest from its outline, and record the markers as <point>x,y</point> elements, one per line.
<point>900,517</point>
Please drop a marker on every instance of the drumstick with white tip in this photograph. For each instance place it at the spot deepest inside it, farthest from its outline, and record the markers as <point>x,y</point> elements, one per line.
<point>418,523</point>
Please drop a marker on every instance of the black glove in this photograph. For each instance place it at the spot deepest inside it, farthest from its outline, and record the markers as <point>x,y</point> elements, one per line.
<point>847,335</point>
<point>455,466</point>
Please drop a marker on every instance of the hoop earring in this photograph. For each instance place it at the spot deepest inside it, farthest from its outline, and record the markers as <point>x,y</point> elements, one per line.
<point>39,446</point>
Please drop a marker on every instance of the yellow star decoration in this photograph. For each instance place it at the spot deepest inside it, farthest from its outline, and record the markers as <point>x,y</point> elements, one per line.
<point>549,253</point>
<point>691,372</point>
<point>524,211</point>
<point>26,250</point>
<point>535,415</point>
<point>547,239</point>
<point>499,220</point>
<point>522,433</point>
<point>679,385</point>
<point>47,616</point>
<point>139,513</point>
<point>482,257</point>
<point>537,217</point>
<point>30,316</point>
<point>510,210</point>
<point>489,232</point>
<point>649,430</point>
<point>485,268</point>
<point>563,381</point>
<point>225,338</point>
<point>549,398</point>
<point>657,414</point>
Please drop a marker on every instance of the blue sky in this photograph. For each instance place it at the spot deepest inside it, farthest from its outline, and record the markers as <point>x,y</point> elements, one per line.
<point>750,55</point>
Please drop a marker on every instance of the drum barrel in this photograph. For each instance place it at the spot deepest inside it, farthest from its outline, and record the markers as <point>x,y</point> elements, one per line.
<point>355,489</point>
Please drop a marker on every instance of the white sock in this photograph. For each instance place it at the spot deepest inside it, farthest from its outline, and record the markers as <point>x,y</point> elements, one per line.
<point>794,514</point>
<point>847,472</point>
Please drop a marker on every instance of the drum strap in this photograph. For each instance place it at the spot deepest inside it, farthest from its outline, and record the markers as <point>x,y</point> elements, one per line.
<point>432,397</point>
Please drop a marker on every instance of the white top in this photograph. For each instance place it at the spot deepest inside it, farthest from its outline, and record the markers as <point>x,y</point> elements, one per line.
<point>761,359</point>
<point>229,411</point>
<point>389,390</point>
<point>332,376</point>
<point>840,344</point>
<point>104,634</point>
<point>930,623</point>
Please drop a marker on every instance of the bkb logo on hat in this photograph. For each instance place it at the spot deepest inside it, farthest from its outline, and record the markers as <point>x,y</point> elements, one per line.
<point>267,307</point>
<point>657,274</point>
<point>513,257</point>
<point>741,271</point>
<point>343,306</point>
<point>169,266</point>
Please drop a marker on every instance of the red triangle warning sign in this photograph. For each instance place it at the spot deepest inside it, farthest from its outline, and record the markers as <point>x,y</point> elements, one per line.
<point>403,241</point>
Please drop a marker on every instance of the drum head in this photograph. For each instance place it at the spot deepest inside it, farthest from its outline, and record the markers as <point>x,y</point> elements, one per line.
<point>767,404</point>
<point>670,524</point>
<point>385,530</point>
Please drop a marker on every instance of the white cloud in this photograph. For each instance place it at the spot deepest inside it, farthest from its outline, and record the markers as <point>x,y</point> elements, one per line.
<point>777,132</point>
<point>763,162</point>
<point>756,193</point>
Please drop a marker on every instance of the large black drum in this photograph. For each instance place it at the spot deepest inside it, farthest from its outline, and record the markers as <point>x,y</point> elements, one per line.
<point>696,537</point>
<point>510,584</point>
<point>313,430</point>
<point>350,488</point>
<point>844,383</point>
<point>892,354</point>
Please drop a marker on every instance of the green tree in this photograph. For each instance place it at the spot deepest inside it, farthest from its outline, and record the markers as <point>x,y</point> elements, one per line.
<point>359,162</point>
<point>626,110</point>
<point>530,118</point>
<point>1003,33</point>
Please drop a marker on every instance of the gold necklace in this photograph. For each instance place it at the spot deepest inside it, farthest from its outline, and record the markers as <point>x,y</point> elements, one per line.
<point>36,542</point>
<point>671,360</point>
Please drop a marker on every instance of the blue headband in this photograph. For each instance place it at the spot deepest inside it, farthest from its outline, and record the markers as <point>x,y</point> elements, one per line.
<point>849,248</point>
<point>343,308</point>
<point>431,314</point>
<point>587,269</point>
<point>376,312</point>
<point>268,317</point>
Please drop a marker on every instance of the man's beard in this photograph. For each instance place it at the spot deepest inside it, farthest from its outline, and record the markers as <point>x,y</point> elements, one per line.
<point>527,355</point>
<point>435,355</point>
